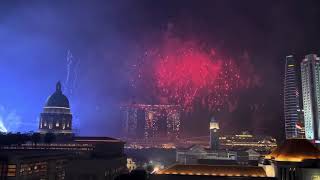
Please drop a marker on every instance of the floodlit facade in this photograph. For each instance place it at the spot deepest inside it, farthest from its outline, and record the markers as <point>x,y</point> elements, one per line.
<point>56,116</point>
<point>214,136</point>
<point>245,140</point>
<point>295,159</point>
<point>291,100</point>
<point>131,165</point>
<point>310,77</point>
<point>211,172</point>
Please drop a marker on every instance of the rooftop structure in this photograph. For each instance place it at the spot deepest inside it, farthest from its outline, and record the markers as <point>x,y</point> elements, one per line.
<point>296,159</point>
<point>56,116</point>
<point>193,154</point>
<point>295,150</point>
<point>209,170</point>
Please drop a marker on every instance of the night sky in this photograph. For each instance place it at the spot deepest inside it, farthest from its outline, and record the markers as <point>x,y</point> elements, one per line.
<point>108,38</point>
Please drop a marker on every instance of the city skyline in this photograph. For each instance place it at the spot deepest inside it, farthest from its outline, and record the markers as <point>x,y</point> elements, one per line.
<point>111,56</point>
<point>159,90</point>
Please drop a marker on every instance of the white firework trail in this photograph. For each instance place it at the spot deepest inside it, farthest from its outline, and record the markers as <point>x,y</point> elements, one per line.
<point>69,63</point>
<point>3,129</point>
<point>75,72</point>
<point>72,73</point>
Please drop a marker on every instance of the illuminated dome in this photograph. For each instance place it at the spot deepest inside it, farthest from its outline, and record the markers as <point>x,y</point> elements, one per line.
<point>295,150</point>
<point>57,99</point>
<point>56,116</point>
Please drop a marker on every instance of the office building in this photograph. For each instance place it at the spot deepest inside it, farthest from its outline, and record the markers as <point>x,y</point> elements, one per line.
<point>310,78</point>
<point>56,116</point>
<point>32,164</point>
<point>81,158</point>
<point>245,140</point>
<point>242,141</point>
<point>291,99</point>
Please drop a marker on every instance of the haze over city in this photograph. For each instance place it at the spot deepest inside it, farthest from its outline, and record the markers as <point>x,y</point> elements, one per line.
<point>109,53</point>
<point>159,90</point>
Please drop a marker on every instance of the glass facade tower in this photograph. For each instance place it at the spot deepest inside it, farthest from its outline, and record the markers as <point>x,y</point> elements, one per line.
<point>310,78</point>
<point>291,99</point>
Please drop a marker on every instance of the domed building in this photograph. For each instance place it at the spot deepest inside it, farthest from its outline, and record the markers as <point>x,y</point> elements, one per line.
<point>295,159</point>
<point>56,116</point>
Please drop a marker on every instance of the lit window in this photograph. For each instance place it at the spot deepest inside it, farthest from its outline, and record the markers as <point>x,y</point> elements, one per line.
<point>57,124</point>
<point>11,170</point>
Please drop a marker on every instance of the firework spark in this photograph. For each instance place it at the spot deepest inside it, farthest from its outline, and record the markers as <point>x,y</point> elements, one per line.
<point>186,74</point>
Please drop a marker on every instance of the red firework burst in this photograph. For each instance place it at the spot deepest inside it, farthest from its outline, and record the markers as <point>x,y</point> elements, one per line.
<point>186,74</point>
<point>189,74</point>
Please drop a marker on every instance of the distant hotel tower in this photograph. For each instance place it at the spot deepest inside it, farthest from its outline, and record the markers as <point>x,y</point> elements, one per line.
<point>214,136</point>
<point>291,99</point>
<point>56,116</point>
<point>143,121</point>
<point>310,77</point>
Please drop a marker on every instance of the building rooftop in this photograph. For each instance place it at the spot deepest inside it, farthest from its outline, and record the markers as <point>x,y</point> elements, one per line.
<point>91,139</point>
<point>295,150</point>
<point>57,99</point>
<point>29,153</point>
<point>216,170</point>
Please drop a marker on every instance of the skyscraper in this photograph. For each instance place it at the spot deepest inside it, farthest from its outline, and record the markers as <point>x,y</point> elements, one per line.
<point>291,99</point>
<point>310,77</point>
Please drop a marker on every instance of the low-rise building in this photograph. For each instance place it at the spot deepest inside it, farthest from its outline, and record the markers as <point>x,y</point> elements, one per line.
<point>211,172</point>
<point>33,164</point>
<point>196,152</point>
<point>83,158</point>
<point>296,159</point>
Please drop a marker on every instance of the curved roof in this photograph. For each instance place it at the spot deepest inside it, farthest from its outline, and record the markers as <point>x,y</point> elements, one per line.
<point>295,150</point>
<point>57,99</point>
<point>210,170</point>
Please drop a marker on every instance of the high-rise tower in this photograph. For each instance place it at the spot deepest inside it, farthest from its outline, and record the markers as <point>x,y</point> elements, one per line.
<point>291,99</point>
<point>310,78</point>
<point>214,136</point>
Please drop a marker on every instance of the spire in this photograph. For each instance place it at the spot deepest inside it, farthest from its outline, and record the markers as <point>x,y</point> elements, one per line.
<point>58,87</point>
